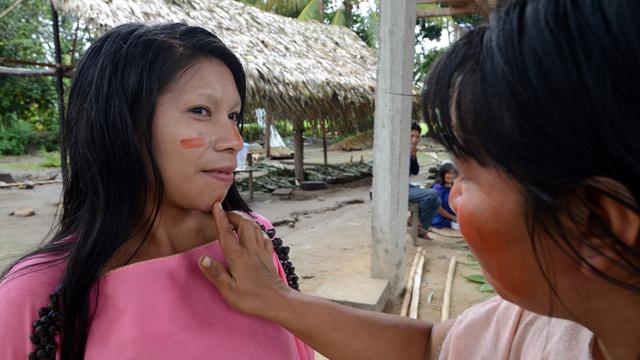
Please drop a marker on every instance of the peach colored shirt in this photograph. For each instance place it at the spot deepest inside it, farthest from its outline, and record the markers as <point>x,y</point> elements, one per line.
<point>498,329</point>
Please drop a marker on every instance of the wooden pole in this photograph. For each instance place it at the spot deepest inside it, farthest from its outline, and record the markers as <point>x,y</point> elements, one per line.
<point>59,85</point>
<point>415,293</point>
<point>448,286</point>
<point>298,143</point>
<point>267,133</point>
<point>450,11</point>
<point>324,139</point>
<point>408,289</point>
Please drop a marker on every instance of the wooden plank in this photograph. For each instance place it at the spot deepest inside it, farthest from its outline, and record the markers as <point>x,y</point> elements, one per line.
<point>26,72</point>
<point>408,289</point>
<point>448,288</point>
<point>415,293</point>
<point>450,11</point>
<point>447,2</point>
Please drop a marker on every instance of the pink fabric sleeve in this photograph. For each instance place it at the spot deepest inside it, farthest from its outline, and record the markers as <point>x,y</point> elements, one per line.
<point>22,293</point>
<point>306,353</point>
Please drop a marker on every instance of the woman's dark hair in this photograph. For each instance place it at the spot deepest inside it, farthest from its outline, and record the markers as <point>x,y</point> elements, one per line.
<point>112,186</point>
<point>416,127</point>
<point>548,94</point>
<point>442,171</point>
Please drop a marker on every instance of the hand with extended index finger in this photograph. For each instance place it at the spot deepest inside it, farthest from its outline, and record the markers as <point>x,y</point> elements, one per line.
<point>250,283</point>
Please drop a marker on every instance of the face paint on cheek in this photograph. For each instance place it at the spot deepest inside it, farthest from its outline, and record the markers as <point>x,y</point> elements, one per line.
<point>193,143</point>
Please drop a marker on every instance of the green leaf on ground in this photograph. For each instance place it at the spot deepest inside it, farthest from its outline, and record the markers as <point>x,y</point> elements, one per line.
<point>486,287</point>
<point>476,278</point>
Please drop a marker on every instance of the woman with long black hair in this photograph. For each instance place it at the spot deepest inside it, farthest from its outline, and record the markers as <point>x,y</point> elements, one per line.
<point>151,138</point>
<point>541,111</point>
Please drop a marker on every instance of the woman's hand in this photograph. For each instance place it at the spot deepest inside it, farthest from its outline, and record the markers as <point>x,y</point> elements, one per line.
<point>250,283</point>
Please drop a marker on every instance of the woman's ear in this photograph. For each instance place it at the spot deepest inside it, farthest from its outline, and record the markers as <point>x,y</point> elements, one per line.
<point>614,211</point>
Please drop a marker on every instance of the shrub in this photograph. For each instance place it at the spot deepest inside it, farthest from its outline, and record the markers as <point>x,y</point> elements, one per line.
<point>21,137</point>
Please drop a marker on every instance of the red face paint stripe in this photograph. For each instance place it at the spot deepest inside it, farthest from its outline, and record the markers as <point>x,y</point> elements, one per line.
<point>192,143</point>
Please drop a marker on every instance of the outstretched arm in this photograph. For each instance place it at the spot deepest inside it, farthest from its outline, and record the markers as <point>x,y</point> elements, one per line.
<point>251,285</point>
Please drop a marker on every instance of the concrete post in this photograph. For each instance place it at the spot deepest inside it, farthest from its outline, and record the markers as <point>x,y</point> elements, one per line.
<point>391,140</point>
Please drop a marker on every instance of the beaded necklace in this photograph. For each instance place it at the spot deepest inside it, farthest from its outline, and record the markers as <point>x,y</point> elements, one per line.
<point>47,327</point>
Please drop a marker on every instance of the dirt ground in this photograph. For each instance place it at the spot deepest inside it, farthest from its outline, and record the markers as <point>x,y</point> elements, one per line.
<point>328,231</point>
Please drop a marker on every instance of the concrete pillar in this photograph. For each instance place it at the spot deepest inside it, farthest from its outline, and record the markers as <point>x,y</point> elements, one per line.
<point>391,141</point>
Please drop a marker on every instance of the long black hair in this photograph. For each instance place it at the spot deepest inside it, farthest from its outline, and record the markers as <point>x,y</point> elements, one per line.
<point>548,94</point>
<point>113,180</point>
<point>442,172</point>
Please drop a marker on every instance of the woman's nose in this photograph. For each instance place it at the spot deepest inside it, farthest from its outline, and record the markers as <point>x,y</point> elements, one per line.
<point>228,137</point>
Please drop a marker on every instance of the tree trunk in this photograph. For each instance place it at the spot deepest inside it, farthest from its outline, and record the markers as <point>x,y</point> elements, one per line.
<point>298,156</point>
<point>267,133</point>
<point>59,86</point>
<point>324,139</point>
<point>348,12</point>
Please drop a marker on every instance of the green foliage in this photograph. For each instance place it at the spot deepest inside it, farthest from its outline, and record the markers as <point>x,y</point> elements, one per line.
<point>252,132</point>
<point>21,137</point>
<point>339,18</point>
<point>51,160</point>
<point>423,63</point>
<point>311,11</point>
<point>29,105</point>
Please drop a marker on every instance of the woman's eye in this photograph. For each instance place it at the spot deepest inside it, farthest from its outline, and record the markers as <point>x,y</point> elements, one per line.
<point>234,116</point>
<point>200,111</point>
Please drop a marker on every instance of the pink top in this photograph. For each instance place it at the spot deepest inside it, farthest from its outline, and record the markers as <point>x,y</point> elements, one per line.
<point>162,308</point>
<point>497,329</point>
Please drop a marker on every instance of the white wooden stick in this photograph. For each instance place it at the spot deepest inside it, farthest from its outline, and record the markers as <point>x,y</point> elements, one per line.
<point>446,299</point>
<point>415,295</point>
<point>409,287</point>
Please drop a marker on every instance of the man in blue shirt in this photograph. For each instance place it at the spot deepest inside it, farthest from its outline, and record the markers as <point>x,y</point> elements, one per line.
<point>428,199</point>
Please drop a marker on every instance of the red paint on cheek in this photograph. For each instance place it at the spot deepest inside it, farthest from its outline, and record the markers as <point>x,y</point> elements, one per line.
<point>192,143</point>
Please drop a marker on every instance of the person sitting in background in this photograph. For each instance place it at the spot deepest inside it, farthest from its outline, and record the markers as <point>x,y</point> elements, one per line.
<point>427,198</point>
<point>444,181</point>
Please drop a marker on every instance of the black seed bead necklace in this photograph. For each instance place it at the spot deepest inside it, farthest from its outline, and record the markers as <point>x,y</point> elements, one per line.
<point>47,327</point>
<point>283,255</point>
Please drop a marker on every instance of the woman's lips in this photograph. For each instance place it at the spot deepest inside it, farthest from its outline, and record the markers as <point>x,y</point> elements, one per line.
<point>222,176</point>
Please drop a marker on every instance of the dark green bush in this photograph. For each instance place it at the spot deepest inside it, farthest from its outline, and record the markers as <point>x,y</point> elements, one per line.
<point>21,137</point>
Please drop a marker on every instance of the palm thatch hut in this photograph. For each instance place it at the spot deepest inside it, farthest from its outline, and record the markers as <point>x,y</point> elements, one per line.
<point>302,70</point>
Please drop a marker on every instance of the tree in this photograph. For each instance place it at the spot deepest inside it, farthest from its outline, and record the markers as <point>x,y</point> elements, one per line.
<point>338,13</point>
<point>28,105</point>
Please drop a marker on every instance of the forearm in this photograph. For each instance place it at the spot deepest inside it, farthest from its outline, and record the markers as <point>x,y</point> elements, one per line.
<point>341,332</point>
<point>445,214</point>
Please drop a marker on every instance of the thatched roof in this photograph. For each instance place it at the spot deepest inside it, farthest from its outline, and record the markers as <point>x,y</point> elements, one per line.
<point>302,69</point>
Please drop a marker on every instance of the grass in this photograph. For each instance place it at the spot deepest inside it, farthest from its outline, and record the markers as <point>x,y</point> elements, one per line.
<point>41,161</point>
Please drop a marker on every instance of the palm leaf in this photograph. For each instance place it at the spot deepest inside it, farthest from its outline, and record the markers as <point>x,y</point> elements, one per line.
<point>339,18</point>
<point>373,29</point>
<point>311,11</point>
